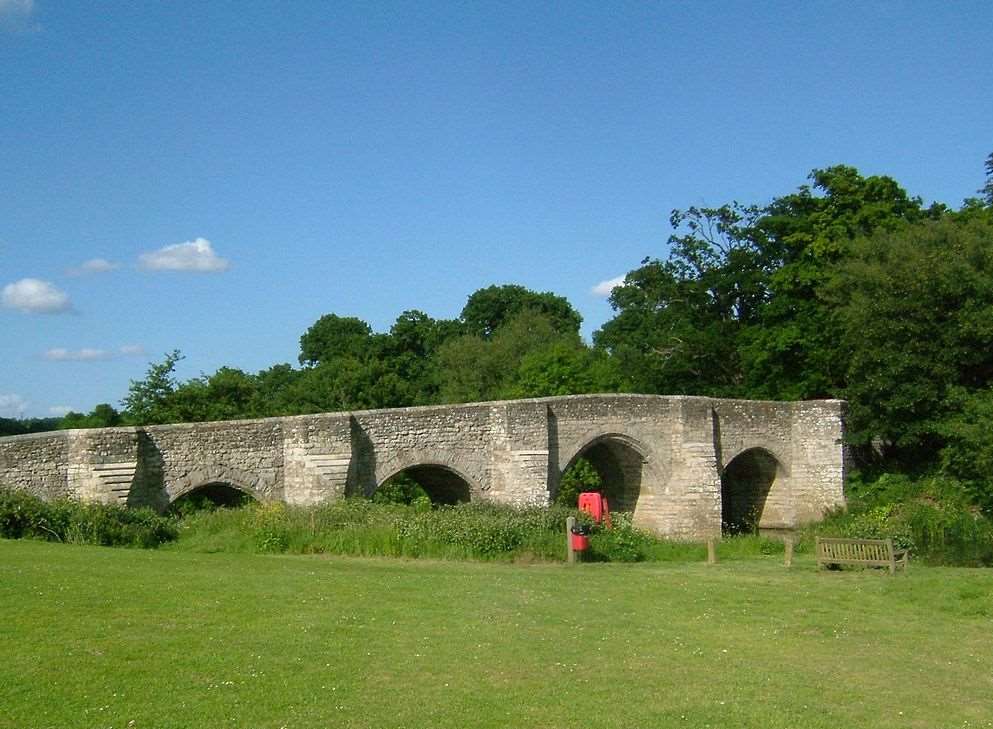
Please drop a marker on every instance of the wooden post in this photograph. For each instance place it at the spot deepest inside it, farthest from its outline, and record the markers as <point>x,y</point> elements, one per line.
<point>788,559</point>
<point>570,552</point>
<point>711,552</point>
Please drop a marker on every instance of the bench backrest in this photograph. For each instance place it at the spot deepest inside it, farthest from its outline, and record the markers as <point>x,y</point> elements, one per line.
<point>861,550</point>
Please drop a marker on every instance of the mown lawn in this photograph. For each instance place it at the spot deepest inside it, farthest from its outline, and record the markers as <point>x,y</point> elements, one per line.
<point>97,637</point>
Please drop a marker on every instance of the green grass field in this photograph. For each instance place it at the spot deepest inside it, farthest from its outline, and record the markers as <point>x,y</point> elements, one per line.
<point>98,637</point>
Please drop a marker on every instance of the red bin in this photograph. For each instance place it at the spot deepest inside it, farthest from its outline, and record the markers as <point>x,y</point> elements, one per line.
<point>580,542</point>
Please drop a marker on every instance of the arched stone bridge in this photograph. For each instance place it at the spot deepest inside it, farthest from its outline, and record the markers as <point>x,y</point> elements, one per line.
<point>683,465</point>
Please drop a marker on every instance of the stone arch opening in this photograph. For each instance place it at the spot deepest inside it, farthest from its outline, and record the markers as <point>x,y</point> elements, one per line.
<point>442,484</point>
<point>213,495</point>
<point>621,466</point>
<point>745,486</point>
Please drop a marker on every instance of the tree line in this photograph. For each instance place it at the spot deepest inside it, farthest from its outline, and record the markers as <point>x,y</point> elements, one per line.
<point>847,287</point>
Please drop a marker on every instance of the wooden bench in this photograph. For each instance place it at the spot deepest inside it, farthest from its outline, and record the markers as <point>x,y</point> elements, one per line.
<point>867,552</point>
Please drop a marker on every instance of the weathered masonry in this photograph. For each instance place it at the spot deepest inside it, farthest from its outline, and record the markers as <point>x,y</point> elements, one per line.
<point>684,466</point>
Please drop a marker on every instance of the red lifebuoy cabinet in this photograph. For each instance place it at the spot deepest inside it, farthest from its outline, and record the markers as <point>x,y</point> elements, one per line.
<point>595,504</point>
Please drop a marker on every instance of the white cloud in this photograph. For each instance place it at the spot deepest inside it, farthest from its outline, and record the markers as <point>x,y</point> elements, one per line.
<point>15,15</point>
<point>16,7</point>
<point>12,406</point>
<point>35,296</point>
<point>94,265</point>
<point>92,354</point>
<point>605,287</point>
<point>60,410</point>
<point>194,255</point>
<point>86,354</point>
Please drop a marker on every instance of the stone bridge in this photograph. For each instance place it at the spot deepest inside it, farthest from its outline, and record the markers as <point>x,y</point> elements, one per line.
<point>684,466</point>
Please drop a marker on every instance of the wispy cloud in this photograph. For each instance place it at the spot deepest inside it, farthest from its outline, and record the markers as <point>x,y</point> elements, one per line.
<point>605,287</point>
<point>94,265</point>
<point>34,296</point>
<point>195,255</point>
<point>12,406</point>
<point>60,410</point>
<point>132,350</point>
<point>86,354</point>
<point>92,354</point>
<point>17,15</point>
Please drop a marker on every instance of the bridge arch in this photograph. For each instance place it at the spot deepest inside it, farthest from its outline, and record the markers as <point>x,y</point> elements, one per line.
<point>753,485</point>
<point>621,461</point>
<point>225,476</point>
<point>216,493</point>
<point>446,476</point>
<point>442,483</point>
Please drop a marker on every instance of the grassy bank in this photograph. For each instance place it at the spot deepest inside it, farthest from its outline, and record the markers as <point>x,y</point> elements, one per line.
<point>96,637</point>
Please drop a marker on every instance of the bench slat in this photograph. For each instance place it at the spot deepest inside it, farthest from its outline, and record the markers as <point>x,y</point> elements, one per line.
<point>872,552</point>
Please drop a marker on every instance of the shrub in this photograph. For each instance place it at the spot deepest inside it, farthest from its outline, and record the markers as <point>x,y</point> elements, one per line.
<point>402,489</point>
<point>579,477</point>
<point>25,516</point>
<point>621,543</point>
<point>933,517</point>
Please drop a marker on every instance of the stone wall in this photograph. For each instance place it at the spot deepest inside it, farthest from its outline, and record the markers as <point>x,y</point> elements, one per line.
<point>36,463</point>
<point>670,451</point>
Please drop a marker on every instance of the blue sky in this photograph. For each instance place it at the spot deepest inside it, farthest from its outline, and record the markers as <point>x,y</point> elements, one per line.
<point>213,177</point>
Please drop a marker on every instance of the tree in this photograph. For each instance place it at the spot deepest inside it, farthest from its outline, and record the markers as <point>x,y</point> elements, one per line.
<point>409,352</point>
<point>17,426</point>
<point>473,368</point>
<point>565,368</point>
<point>793,352</point>
<point>987,189</point>
<point>147,400</point>
<point>335,336</point>
<point>916,306</point>
<point>738,307</point>
<point>678,320</point>
<point>489,309</point>
<point>102,416</point>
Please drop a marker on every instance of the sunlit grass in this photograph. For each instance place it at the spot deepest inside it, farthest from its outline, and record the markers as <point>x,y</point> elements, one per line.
<point>96,637</point>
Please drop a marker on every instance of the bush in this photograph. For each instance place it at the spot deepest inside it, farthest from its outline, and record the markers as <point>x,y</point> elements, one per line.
<point>23,516</point>
<point>402,489</point>
<point>579,477</point>
<point>622,542</point>
<point>933,517</point>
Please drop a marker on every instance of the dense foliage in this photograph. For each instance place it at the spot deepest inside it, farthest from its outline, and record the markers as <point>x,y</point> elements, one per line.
<point>25,516</point>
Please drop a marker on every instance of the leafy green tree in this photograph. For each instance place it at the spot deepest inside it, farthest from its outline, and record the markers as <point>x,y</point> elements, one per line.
<point>335,336</point>
<point>487,310</point>
<point>18,426</point>
<point>565,368</point>
<point>678,320</point>
<point>148,400</point>
<point>792,352</point>
<point>967,454</point>
<point>102,416</point>
<point>987,189</point>
<point>917,308</point>
<point>409,353</point>
<point>272,391</point>
<point>228,394</point>
<point>738,307</point>
<point>474,369</point>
